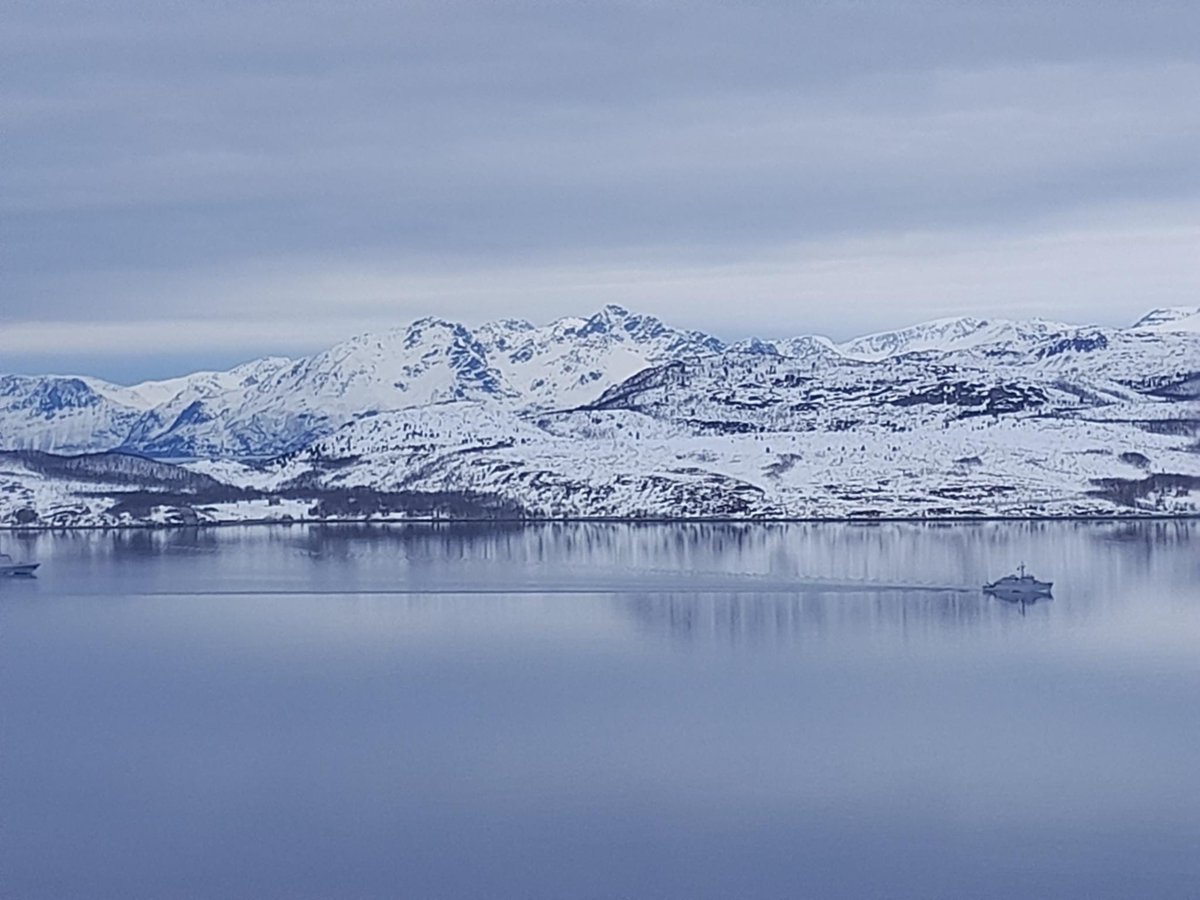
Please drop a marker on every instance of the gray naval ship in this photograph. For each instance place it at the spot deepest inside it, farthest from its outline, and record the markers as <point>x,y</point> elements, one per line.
<point>1020,587</point>
<point>10,568</point>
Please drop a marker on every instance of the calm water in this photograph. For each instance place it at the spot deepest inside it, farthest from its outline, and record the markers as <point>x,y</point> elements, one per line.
<point>601,712</point>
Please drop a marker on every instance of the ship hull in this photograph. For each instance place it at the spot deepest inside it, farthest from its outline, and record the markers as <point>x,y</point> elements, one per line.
<point>18,570</point>
<point>1017,592</point>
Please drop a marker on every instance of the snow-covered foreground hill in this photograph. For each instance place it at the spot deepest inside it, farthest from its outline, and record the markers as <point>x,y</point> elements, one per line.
<point>621,415</point>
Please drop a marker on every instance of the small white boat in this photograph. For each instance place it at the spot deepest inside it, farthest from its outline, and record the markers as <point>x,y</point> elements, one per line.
<point>10,568</point>
<point>1019,585</point>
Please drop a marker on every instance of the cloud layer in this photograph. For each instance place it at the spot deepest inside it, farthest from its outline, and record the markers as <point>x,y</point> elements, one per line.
<point>189,181</point>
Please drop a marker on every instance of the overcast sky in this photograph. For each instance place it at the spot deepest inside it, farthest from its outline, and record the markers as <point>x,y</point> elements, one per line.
<point>189,184</point>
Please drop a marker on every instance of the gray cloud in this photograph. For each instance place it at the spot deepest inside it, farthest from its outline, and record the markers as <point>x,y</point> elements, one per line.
<point>363,163</point>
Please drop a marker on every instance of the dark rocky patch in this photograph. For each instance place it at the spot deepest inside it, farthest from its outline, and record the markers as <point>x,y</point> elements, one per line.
<point>368,503</point>
<point>1080,343</point>
<point>706,426</point>
<point>1127,491</point>
<point>621,396</point>
<point>978,400</point>
<point>113,468</point>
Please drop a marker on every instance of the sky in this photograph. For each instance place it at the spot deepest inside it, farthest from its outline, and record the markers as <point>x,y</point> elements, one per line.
<point>187,185</point>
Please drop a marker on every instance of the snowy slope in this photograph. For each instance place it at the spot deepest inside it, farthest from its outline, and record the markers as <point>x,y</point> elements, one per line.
<point>287,404</point>
<point>1170,319</point>
<point>621,462</point>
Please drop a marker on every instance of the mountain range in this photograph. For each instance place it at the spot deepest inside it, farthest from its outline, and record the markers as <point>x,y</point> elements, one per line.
<point>619,414</point>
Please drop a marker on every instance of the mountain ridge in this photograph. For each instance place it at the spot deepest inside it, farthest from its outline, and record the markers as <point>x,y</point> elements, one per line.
<point>276,404</point>
<point>621,415</point>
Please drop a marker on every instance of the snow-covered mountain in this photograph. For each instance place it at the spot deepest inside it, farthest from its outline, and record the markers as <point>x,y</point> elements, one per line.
<point>73,414</point>
<point>619,414</point>
<point>273,406</point>
<point>63,414</point>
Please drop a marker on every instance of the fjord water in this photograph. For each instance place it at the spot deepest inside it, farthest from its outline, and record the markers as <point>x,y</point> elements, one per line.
<point>586,710</point>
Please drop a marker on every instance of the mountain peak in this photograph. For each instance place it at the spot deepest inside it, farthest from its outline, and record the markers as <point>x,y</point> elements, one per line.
<point>435,323</point>
<point>612,311</point>
<point>610,317</point>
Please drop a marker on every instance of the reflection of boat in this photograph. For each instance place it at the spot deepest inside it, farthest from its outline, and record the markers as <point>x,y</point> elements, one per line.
<point>1021,586</point>
<point>10,568</point>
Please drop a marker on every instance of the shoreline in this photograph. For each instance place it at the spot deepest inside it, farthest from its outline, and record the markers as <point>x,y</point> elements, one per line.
<point>608,520</point>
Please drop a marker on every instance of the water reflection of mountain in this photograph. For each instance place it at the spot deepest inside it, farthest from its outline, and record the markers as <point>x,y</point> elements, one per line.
<point>1086,559</point>
<point>763,570</point>
<point>748,618</point>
